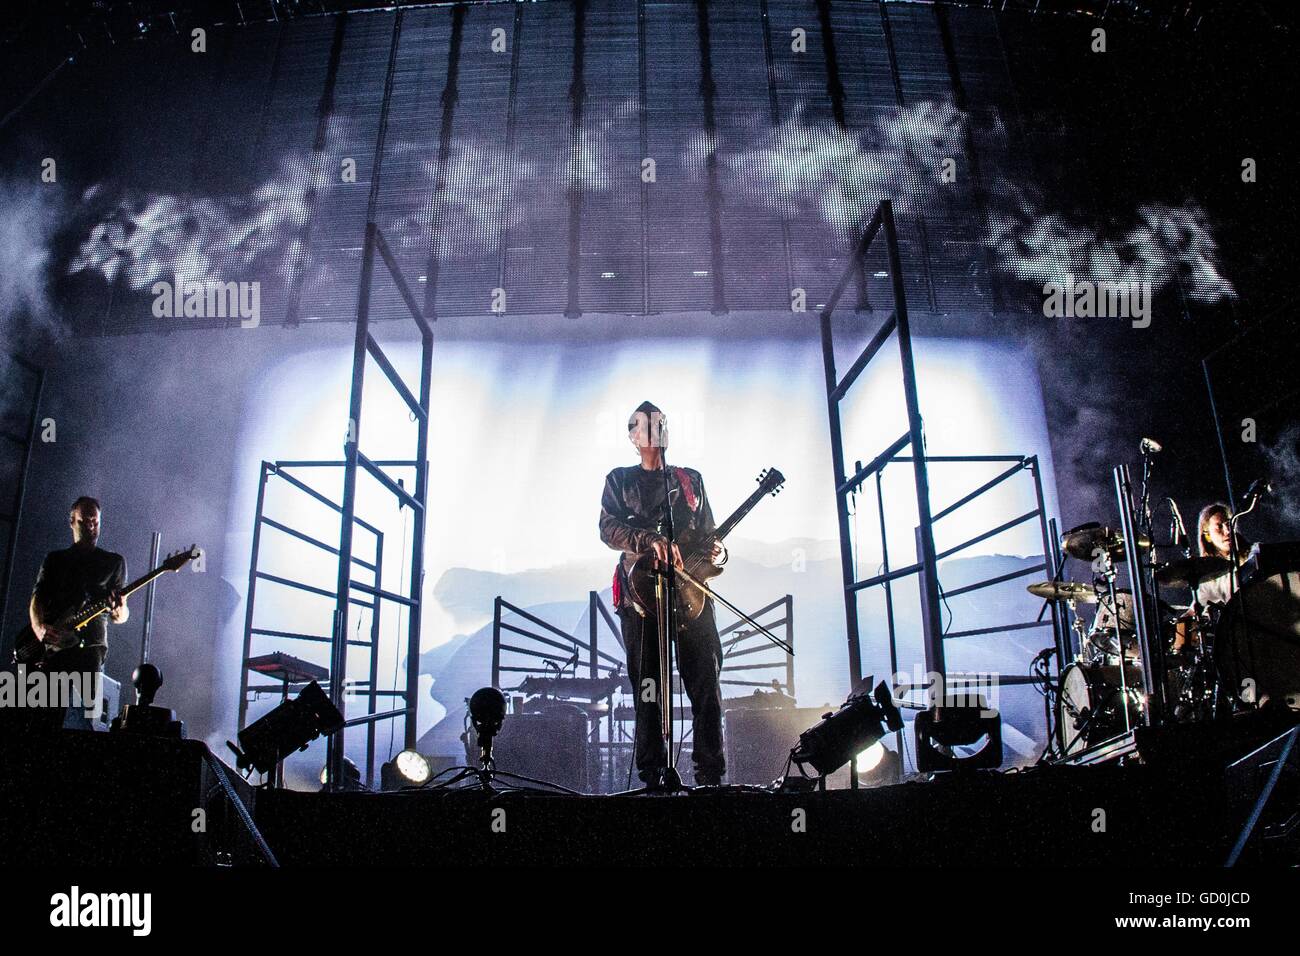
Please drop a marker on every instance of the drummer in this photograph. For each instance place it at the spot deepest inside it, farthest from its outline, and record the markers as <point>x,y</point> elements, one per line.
<point>1213,530</point>
<point>1213,527</point>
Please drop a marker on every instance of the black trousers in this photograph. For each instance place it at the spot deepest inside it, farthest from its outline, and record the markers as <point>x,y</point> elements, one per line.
<point>699,661</point>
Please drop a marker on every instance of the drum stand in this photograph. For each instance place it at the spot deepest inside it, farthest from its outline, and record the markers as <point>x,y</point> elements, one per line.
<point>1109,571</point>
<point>1150,651</point>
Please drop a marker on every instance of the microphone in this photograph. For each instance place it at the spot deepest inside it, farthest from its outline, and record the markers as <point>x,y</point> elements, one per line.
<point>1151,447</point>
<point>1177,530</point>
<point>1258,488</point>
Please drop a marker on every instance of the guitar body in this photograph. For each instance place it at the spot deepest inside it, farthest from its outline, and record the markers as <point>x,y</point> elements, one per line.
<point>33,652</point>
<point>690,599</point>
<point>697,557</point>
<point>28,649</point>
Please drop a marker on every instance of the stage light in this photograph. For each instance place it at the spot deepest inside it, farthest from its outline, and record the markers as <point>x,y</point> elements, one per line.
<point>870,758</point>
<point>290,726</point>
<point>963,734</point>
<point>408,769</point>
<point>886,770</point>
<point>351,776</point>
<point>487,712</point>
<point>143,717</point>
<point>856,726</point>
<point>412,766</point>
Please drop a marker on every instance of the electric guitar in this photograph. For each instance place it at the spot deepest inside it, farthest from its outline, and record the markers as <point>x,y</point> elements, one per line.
<point>32,651</point>
<point>697,555</point>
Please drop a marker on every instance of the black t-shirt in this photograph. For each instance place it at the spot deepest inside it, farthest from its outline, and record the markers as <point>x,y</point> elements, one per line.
<point>70,577</point>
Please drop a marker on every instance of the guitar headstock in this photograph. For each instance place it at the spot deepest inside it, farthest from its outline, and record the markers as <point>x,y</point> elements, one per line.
<point>770,481</point>
<point>178,559</point>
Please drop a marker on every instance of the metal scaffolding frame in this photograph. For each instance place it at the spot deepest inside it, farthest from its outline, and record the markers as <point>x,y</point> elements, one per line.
<point>926,567</point>
<point>1019,464</point>
<point>285,471</point>
<point>366,349</point>
<point>23,444</point>
<point>836,389</point>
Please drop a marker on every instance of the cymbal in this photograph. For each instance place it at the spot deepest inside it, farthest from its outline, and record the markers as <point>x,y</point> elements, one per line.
<point>1189,572</point>
<point>1084,541</point>
<point>1063,591</point>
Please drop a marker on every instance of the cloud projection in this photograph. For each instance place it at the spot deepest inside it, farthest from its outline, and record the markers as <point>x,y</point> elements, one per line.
<point>800,166</point>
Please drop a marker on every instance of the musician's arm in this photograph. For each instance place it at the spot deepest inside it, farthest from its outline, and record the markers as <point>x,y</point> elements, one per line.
<point>707,525</point>
<point>118,611</point>
<point>37,608</point>
<point>36,616</point>
<point>615,532</point>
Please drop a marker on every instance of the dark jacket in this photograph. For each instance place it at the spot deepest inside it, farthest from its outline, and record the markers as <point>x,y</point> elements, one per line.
<point>632,514</point>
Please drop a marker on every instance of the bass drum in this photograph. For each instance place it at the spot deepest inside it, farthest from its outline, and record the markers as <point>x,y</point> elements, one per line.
<point>1257,641</point>
<point>1090,707</point>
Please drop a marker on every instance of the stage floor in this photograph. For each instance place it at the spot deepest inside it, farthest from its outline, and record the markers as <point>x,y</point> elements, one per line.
<point>112,799</point>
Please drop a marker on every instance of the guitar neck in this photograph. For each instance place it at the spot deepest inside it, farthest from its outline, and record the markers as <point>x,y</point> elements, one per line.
<point>99,607</point>
<point>734,519</point>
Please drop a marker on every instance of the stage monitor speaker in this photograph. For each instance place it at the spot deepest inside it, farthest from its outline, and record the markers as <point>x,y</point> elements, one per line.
<point>551,746</point>
<point>759,740</point>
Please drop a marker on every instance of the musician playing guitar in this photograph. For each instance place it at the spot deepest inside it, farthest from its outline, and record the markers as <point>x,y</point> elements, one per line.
<point>68,578</point>
<point>631,519</point>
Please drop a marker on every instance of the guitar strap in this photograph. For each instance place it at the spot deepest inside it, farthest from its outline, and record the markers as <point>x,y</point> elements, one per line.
<point>684,482</point>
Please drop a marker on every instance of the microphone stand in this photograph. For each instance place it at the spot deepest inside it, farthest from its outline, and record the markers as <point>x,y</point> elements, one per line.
<point>670,781</point>
<point>758,628</point>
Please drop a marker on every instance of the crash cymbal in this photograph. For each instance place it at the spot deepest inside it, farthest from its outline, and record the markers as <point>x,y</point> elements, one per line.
<point>1063,591</point>
<point>1086,540</point>
<point>1189,572</point>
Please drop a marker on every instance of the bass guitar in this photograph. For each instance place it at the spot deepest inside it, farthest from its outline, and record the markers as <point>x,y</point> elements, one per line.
<point>32,651</point>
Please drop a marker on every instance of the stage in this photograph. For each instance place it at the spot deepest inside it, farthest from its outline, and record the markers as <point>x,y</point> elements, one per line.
<point>86,799</point>
<point>432,419</point>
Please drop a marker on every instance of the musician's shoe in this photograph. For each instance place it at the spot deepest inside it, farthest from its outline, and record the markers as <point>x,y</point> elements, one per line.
<point>708,779</point>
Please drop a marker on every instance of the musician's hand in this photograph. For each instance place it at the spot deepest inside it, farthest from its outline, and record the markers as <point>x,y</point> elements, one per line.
<point>719,555</point>
<point>117,607</point>
<point>660,546</point>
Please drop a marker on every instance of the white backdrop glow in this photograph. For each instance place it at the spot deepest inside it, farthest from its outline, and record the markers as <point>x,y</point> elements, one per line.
<point>522,436</point>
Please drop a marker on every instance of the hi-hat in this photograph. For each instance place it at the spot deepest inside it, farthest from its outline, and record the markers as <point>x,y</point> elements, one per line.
<point>1063,591</point>
<point>1085,541</point>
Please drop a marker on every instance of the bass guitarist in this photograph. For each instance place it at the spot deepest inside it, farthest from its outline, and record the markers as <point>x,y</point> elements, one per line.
<point>66,580</point>
<point>632,519</point>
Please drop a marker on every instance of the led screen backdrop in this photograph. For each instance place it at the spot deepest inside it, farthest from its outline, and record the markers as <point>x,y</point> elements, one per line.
<point>602,203</point>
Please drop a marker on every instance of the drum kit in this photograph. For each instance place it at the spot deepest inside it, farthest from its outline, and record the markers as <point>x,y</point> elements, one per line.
<point>1216,661</point>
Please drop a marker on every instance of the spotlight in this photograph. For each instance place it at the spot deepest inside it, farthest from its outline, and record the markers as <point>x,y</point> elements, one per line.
<point>963,734</point>
<point>855,727</point>
<point>351,776</point>
<point>143,717</point>
<point>289,727</point>
<point>146,679</point>
<point>878,766</point>
<point>408,769</point>
<point>487,711</point>
<point>870,758</point>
